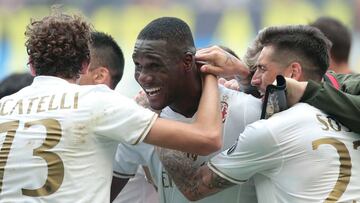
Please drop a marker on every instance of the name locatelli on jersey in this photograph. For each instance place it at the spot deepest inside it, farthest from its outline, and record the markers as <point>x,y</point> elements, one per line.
<point>39,104</point>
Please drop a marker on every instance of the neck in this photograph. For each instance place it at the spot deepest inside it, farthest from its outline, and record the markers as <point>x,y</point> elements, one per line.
<point>70,80</point>
<point>342,68</point>
<point>188,102</point>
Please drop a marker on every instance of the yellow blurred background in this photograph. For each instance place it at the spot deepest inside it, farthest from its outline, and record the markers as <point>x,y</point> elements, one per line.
<point>232,23</point>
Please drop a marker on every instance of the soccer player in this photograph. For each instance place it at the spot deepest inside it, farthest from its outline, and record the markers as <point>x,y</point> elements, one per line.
<point>106,61</point>
<point>58,139</point>
<point>166,69</point>
<point>306,155</point>
<point>344,104</point>
<point>107,67</point>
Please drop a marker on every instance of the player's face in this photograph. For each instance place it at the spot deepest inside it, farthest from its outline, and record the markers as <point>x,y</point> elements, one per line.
<point>157,72</point>
<point>267,69</point>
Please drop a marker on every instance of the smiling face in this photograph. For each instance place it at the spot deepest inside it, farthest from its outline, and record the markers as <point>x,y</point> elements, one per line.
<point>158,72</point>
<point>267,69</point>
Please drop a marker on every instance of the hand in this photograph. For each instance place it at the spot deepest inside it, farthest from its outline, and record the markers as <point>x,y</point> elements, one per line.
<point>221,63</point>
<point>295,90</point>
<point>141,99</point>
<point>231,84</point>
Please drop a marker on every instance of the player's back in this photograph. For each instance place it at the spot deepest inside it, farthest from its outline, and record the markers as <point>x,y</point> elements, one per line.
<point>320,157</point>
<point>57,141</point>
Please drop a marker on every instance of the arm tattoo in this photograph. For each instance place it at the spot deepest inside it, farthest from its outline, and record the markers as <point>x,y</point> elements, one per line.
<point>229,59</point>
<point>194,181</point>
<point>217,182</point>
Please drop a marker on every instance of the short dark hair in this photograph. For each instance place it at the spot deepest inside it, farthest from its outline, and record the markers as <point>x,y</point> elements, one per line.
<point>170,29</point>
<point>301,43</point>
<point>57,45</point>
<point>106,52</point>
<point>14,83</point>
<point>338,34</point>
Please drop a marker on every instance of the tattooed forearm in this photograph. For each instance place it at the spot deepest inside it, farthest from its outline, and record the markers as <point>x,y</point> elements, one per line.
<point>216,182</point>
<point>193,181</point>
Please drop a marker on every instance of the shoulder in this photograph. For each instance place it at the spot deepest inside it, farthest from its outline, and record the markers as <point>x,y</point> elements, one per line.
<point>237,97</point>
<point>282,121</point>
<point>298,113</point>
<point>240,107</point>
<point>101,94</point>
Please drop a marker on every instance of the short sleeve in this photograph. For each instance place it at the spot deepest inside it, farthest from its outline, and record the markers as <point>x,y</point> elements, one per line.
<point>255,151</point>
<point>121,119</point>
<point>129,157</point>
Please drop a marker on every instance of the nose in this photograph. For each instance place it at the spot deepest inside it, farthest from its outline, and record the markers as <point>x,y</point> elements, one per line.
<point>144,77</point>
<point>256,79</point>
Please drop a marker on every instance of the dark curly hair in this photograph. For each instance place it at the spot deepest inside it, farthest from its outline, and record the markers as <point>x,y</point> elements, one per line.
<point>58,45</point>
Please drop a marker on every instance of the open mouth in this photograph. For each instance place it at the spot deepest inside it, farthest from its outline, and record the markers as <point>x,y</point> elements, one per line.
<point>152,91</point>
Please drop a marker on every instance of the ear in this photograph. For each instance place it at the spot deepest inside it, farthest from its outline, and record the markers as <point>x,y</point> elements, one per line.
<point>32,70</point>
<point>188,61</point>
<point>102,75</point>
<point>84,67</point>
<point>296,71</point>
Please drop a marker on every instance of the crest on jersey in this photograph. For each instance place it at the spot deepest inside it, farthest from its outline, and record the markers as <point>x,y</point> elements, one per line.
<point>224,107</point>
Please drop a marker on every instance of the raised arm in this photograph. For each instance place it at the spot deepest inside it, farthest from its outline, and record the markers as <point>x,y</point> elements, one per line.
<point>221,63</point>
<point>201,137</point>
<point>194,182</point>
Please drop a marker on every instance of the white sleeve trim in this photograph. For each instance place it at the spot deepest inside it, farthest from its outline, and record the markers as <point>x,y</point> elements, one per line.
<point>122,175</point>
<point>219,173</point>
<point>146,130</point>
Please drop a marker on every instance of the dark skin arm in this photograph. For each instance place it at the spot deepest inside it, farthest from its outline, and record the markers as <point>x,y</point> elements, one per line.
<point>203,136</point>
<point>194,182</point>
<point>117,185</point>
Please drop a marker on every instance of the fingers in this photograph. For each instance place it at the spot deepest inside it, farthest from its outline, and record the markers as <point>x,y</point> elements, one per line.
<point>211,54</point>
<point>221,63</point>
<point>141,99</point>
<point>222,81</point>
<point>232,84</point>
<point>208,68</point>
<point>208,50</point>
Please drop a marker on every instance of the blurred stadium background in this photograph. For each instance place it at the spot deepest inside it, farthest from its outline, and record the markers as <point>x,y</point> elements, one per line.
<point>232,23</point>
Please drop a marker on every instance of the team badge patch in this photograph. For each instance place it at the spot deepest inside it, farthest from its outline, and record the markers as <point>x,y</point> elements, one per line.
<point>224,108</point>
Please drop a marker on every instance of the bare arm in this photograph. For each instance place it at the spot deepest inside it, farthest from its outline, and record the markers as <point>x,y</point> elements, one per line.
<point>201,137</point>
<point>295,90</point>
<point>194,182</point>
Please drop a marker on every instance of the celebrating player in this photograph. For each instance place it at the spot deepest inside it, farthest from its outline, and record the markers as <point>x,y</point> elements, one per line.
<point>301,154</point>
<point>166,69</point>
<point>57,139</point>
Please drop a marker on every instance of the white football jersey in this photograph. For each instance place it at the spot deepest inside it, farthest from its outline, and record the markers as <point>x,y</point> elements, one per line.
<point>307,155</point>
<point>57,140</point>
<point>238,110</point>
